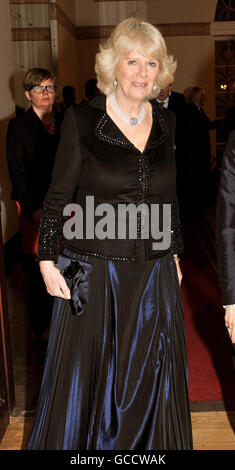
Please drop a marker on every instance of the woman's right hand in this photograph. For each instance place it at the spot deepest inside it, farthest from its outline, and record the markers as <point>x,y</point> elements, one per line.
<point>230,321</point>
<point>55,282</point>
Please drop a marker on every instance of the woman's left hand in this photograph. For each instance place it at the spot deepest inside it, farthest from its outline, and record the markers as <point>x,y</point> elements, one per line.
<point>179,272</point>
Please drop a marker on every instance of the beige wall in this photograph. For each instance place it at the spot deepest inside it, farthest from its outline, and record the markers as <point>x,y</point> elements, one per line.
<point>69,8</point>
<point>25,15</point>
<point>92,13</point>
<point>86,51</point>
<point>68,60</point>
<point>8,208</point>
<point>195,63</point>
<point>180,11</point>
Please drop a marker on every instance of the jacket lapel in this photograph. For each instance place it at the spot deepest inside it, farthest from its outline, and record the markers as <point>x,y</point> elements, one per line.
<point>107,131</point>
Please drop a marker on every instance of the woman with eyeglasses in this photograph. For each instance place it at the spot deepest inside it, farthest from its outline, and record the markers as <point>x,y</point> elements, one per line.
<point>32,140</point>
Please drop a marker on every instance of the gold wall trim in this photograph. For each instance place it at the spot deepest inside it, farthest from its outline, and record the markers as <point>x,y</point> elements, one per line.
<point>34,2</point>
<point>31,34</point>
<point>113,1</point>
<point>102,32</point>
<point>94,32</point>
<point>185,29</point>
<point>170,29</point>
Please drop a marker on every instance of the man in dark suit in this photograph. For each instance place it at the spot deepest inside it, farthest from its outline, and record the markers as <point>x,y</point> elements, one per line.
<point>204,186</point>
<point>225,236</point>
<point>176,102</point>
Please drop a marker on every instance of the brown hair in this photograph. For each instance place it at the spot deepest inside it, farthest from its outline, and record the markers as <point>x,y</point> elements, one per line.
<point>35,76</point>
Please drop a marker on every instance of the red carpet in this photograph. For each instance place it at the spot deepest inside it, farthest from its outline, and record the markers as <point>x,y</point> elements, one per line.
<point>211,373</point>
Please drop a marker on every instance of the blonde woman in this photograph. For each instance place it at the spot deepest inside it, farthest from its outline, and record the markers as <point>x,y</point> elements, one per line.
<point>116,370</point>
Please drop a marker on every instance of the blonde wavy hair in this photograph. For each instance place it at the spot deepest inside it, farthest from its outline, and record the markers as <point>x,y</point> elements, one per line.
<point>133,34</point>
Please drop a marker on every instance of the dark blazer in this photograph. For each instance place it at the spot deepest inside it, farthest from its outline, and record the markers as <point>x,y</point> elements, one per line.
<point>225,224</point>
<point>200,126</point>
<point>30,155</point>
<point>176,102</point>
<point>178,105</point>
<point>95,158</point>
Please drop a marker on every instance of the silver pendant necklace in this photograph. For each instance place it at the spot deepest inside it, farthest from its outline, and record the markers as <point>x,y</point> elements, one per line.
<point>134,121</point>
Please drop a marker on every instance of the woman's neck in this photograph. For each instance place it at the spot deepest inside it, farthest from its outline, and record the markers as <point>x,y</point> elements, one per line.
<point>43,114</point>
<point>130,107</point>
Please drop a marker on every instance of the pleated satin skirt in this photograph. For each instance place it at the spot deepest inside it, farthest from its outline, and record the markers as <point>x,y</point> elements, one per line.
<point>115,376</point>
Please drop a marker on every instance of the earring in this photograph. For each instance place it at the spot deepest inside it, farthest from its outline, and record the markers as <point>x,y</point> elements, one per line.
<point>115,82</point>
<point>155,86</point>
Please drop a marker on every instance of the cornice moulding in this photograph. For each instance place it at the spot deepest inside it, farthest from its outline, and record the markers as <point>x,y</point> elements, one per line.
<point>103,31</point>
<point>31,34</point>
<point>223,28</point>
<point>26,2</point>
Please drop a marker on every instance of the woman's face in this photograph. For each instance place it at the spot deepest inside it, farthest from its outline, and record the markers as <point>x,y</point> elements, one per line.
<point>136,75</point>
<point>42,101</point>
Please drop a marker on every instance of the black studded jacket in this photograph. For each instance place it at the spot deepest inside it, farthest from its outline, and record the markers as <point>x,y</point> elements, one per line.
<point>95,159</point>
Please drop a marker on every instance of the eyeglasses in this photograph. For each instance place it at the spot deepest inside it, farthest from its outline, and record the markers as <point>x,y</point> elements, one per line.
<point>39,89</point>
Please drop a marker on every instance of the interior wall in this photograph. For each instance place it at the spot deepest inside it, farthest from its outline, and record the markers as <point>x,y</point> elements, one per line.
<point>90,13</point>
<point>8,208</point>
<point>180,11</point>
<point>195,64</point>
<point>69,61</point>
<point>69,8</point>
<point>86,51</point>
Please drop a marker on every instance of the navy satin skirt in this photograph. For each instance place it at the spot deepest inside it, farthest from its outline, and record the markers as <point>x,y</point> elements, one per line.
<point>115,376</point>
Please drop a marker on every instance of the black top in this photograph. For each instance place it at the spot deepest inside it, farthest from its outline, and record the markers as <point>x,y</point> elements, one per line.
<point>178,105</point>
<point>30,155</point>
<point>94,158</point>
<point>225,224</point>
<point>200,136</point>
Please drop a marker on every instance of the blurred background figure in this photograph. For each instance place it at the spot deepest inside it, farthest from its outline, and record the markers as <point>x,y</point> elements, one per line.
<point>91,90</point>
<point>31,144</point>
<point>176,102</point>
<point>69,98</point>
<point>200,148</point>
